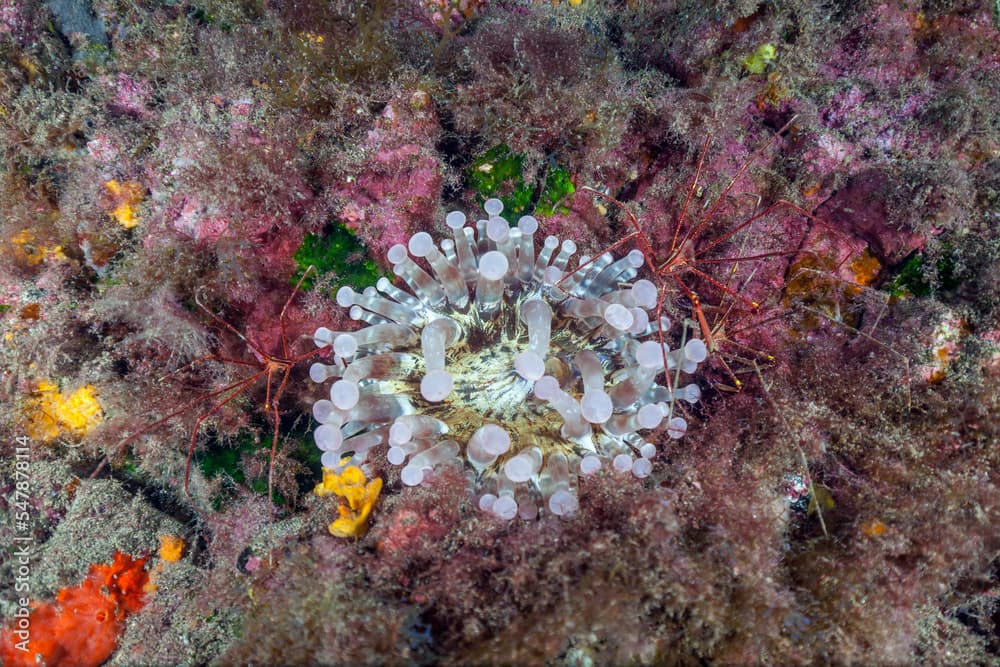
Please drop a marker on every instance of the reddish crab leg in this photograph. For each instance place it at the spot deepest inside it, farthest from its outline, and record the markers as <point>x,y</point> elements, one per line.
<point>696,231</point>
<point>267,365</point>
<point>690,195</point>
<point>685,255</point>
<point>239,388</point>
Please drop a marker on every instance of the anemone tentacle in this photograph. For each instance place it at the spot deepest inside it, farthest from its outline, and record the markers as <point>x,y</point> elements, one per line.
<point>487,362</point>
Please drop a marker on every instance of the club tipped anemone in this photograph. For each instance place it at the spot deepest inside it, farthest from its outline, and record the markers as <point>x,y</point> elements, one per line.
<point>505,360</point>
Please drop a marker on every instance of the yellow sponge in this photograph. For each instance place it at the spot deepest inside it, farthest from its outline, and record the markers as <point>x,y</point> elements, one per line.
<point>52,414</point>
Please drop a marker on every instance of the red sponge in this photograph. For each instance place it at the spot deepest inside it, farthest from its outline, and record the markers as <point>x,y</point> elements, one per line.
<point>81,628</point>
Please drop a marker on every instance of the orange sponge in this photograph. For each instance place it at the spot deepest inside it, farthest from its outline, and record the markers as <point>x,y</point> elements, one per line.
<point>81,628</point>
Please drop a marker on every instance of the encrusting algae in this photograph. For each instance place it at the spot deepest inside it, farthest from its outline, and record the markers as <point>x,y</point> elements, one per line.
<point>360,494</point>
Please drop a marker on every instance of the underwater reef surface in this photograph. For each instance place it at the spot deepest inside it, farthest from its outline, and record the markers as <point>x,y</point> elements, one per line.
<point>814,192</point>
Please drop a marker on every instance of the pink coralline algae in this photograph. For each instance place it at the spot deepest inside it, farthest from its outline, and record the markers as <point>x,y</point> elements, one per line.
<point>820,428</point>
<point>400,183</point>
<point>861,208</point>
<point>131,96</point>
<point>195,220</point>
<point>252,237</point>
<point>414,526</point>
<point>826,154</point>
<point>583,222</point>
<point>266,328</point>
<point>231,190</point>
<point>16,19</point>
<point>104,151</point>
<point>887,58</point>
<point>852,112</point>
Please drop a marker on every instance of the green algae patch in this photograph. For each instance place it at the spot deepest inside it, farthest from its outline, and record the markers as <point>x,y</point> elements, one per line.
<point>228,463</point>
<point>558,186</point>
<point>758,61</point>
<point>336,251</point>
<point>499,173</point>
<point>913,277</point>
<point>220,459</point>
